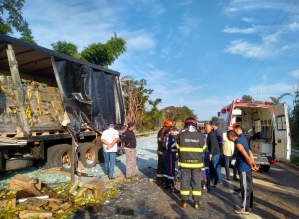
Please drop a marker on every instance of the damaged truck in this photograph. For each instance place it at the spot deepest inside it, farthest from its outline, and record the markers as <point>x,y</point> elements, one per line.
<point>45,98</point>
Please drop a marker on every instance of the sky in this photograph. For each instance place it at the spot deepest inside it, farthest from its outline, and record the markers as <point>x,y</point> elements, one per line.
<point>195,53</point>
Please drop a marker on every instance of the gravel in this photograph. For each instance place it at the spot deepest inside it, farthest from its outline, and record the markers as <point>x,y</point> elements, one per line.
<point>146,157</point>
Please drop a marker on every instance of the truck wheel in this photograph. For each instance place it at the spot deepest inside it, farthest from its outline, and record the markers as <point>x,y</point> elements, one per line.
<point>265,168</point>
<point>50,156</point>
<point>88,154</point>
<point>61,156</point>
<point>64,157</point>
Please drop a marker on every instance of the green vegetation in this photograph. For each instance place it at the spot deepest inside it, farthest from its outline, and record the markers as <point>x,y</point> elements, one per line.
<point>66,48</point>
<point>295,160</point>
<point>14,18</point>
<point>277,100</point>
<point>102,54</point>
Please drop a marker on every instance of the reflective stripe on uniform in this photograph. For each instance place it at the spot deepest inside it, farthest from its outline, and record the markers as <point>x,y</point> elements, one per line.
<point>185,192</point>
<point>159,175</point>
<point>191,149</point>
<point>160,152</point>
<point>177,145</point>
<point>191,165</point>
<point>159,139</point>
<point>196,193</point>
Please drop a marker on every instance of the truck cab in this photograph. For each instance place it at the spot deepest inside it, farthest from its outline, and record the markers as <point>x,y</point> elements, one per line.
<point>265,126</point>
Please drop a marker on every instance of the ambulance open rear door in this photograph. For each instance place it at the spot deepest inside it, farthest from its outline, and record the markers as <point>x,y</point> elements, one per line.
<point>282,132</point>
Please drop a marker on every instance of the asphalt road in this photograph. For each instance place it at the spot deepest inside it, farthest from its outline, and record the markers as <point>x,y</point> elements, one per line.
<point>275,196</point>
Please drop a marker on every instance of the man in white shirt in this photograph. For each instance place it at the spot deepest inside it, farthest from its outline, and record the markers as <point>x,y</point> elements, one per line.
<point>110,137</point>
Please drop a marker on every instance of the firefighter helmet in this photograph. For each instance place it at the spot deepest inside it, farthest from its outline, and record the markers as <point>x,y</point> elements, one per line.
<point>190,123</point>
<point>168,123</point>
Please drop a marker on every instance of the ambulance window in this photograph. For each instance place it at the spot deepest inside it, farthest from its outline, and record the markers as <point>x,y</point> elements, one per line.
<point>281,123</point>
<point>239,120</point>
<point>257,125</point>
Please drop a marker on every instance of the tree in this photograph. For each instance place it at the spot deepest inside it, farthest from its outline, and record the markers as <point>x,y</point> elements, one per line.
<point>151,116</point>
<point>277,100</point>
<point>135,97</point>
<point>247,98</point>
<point>26,34</point>
<point>294,121</point>
<point>214,118</point>
<point>13,9</point>
<point>66,48</point>
<point>104,54</point>
<point>178,114</point>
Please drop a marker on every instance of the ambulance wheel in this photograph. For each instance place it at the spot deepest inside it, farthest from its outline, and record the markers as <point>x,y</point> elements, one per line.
<point>265,168</point>
<point>88,154</point>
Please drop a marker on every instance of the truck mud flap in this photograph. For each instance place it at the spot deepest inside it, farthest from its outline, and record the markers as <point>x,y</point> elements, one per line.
<point>18,163</point>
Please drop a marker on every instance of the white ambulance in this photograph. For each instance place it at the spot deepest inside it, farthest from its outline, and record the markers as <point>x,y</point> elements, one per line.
<point>265,126</point>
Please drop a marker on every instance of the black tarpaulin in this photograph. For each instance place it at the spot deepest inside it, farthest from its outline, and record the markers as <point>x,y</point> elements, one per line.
<point>89,95</point>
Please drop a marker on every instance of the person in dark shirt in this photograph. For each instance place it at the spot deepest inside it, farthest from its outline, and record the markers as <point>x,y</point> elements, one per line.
<point>128,137</point>
<point>213,147</point>
<point>245,165</point>
<point>218,133</point>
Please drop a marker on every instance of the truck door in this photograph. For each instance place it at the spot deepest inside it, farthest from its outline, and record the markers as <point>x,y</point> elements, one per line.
<point>282,132</point>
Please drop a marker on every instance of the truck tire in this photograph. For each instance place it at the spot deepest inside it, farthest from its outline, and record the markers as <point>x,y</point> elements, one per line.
<point>88,154</point>
<point>265,168</point>
<point>61,156</point>
<point>50,156</point>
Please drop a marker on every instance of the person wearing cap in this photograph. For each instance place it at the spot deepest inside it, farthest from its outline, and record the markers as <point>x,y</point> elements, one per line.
<point>129,138</point>
<point>109,138</point>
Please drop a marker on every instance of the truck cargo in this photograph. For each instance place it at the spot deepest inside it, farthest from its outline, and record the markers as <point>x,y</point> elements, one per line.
<point>45,98</point>
<point>265,126</point>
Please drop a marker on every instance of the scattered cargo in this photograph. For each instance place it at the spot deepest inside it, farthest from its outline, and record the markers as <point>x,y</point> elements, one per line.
<point>45,99</point>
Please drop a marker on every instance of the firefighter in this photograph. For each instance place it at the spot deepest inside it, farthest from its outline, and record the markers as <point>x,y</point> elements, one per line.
<point>191,145</point>
<point>169,158</point>
<point>160,168</point>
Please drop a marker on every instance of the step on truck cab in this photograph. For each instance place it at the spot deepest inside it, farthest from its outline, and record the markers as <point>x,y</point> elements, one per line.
<point>265,126</point>
<point>46,98</point>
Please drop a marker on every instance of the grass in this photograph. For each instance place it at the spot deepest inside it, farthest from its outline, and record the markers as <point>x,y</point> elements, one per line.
<point>295,160</point>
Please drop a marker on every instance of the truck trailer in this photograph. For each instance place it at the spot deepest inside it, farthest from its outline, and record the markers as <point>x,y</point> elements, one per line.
<point>46,98</point>
<point>265,126</point>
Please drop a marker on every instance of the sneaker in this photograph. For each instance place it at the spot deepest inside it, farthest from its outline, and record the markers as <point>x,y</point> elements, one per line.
<point>197,205</point>
<point>228,178</point>
<point>183,204</point>
<point>174,190</point>
<point>236,179</point>
<point>241,212</point>
<point>241,207</point>
<point>113,177</point>
<point>218,185</point>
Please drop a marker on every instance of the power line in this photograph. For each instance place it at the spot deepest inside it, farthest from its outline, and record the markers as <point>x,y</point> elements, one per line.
<point>237,79</point>
<point>271,52</point>
<point>250,59</point>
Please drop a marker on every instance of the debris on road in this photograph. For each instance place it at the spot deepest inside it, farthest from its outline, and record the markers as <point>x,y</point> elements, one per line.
<point>28,197</point>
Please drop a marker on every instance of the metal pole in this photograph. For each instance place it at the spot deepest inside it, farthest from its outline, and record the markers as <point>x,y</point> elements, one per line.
<point>73,160</point>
